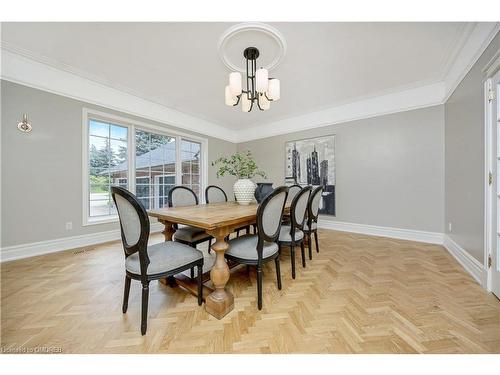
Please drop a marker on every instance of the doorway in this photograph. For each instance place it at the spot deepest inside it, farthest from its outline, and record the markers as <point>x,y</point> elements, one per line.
<point>492,134</point>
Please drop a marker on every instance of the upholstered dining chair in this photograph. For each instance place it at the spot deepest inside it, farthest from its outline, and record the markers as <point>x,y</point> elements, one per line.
<point>146,263</point>
<point>311,224</point>
<point>215,194</point>
<point>292,235</point>
<point>180,196</point>
<point>293,190</point>
<point>260,248</point>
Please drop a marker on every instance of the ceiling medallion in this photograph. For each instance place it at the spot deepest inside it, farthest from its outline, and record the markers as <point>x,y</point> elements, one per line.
<point>266,38</point>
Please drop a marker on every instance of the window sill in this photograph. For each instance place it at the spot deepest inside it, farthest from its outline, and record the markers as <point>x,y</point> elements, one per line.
<point>102,220</point>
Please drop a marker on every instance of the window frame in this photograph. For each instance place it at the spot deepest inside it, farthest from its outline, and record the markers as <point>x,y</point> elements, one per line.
<point>133,125</point>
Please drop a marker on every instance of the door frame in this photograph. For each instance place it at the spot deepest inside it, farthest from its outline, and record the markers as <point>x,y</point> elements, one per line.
<point>491,68</point>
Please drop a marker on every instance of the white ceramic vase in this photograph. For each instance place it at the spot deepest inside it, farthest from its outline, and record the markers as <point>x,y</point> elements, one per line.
<point>244,191</point>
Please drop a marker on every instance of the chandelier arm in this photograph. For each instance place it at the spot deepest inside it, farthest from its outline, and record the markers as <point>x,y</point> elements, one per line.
<point>254,68</point>
<point>265,94</point>
<point>258,102</point>
<point>247,76</point>
<point>239,97</point>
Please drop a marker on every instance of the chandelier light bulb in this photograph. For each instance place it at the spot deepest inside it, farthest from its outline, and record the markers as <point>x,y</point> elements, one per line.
<point>262,80</point>
<point>235,83</point>
<point>264,103</point>
<point>273,92</point>
<point>246,105</point>
<point>230,99</point>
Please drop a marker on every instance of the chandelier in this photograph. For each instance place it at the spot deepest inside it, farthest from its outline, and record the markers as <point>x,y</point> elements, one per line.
<point>260,89</point>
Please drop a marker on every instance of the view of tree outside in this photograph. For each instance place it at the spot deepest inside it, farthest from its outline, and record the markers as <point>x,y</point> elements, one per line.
<point>107,149</point>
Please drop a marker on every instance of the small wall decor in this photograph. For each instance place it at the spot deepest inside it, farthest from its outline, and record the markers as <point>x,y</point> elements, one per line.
<point>24,125</point>
<point>312,162</point>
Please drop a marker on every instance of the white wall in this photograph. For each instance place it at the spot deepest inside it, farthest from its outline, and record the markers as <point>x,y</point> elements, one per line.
<point>41,171</point>
<point>464,179</point>
<point>389,169</point>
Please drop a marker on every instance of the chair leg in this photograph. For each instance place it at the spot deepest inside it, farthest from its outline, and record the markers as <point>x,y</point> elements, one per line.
<point>209,246</point>
<point>279,248</point>
<point>171,281</point>
<point>237,233</point>
<point>278,272</point>
<point>144,316</point>
<point>292,259</point>
<point>316,241</point>
<point>126,293</point>
<point>309,245</point>
<point>259,286</point>
<point>200,285</point>
<point>192,273</point>
<point>303,251</point>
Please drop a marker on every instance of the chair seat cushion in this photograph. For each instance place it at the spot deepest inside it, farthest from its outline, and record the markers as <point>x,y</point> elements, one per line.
<point>190,234</point>
<point>285,234</point>
<point>314,226</point>
<point>164,257</point>
<point>245,247</point>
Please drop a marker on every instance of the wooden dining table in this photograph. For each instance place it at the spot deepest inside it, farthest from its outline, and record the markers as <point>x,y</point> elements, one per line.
<point>218,220</point>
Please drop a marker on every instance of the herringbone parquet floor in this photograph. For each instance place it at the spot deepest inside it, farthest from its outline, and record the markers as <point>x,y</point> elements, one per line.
<point>361,294</point>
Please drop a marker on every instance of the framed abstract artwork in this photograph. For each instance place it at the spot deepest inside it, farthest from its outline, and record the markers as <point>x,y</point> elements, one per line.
<point>312,162</point>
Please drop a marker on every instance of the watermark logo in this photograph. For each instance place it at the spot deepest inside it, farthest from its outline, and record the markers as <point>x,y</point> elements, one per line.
<point>31,350</point>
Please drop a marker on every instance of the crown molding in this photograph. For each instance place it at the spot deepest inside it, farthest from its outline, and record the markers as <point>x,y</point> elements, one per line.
<point>26,71</point>
<point>421,97</point>
<point>479,39</point>
<point>35,71</point>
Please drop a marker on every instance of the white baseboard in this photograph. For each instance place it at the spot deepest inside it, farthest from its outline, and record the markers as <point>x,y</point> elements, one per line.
<point>61,244</point>
<point>372,230</point>
<point>471,264</point>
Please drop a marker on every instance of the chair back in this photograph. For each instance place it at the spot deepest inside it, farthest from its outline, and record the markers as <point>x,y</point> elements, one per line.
<point>134,225</point>
<point>298,209</point>
<point>269,215</point>
<point>293,190</point>
<point>313,206</point>
<point>181,196</point>
<point>215,194</point>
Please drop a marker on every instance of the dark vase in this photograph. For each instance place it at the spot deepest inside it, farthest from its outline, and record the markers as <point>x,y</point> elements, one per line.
<point>263,190</point>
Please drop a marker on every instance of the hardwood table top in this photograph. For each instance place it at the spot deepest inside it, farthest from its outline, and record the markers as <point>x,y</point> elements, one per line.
<point>208,216</point>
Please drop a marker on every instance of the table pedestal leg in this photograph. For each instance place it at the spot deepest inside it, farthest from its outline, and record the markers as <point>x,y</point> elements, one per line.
<point>169,230</point>
<point>220,301</point>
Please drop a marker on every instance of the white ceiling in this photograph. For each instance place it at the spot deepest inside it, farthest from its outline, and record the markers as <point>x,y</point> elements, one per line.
<point>177,64</point>
<point>172,73</point>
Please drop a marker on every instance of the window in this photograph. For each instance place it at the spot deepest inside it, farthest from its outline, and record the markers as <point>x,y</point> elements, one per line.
<point>108,147</point>
<point>190,154</point>
<point>155,159</point>
<point>145,159</point>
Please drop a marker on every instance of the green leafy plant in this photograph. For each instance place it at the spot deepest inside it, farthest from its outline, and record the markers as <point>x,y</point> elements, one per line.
<point>240,165</point>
